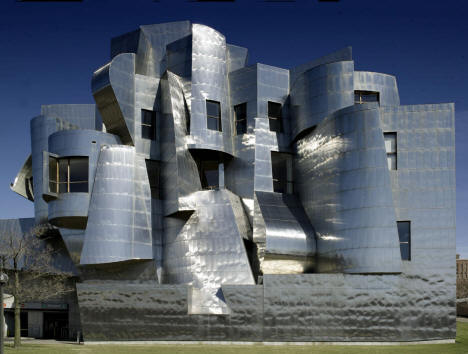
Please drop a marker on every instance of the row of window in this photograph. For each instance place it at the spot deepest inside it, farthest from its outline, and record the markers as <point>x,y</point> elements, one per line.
<point>213,115</point>
<point>68,174</point>
<point>213,119</point>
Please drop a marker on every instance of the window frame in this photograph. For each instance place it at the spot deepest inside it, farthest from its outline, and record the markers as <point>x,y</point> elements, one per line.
<point>392,153</point>
<point>405,242</point>
<point>68,183</point>
<point>277,120</point>
<point>363,93</point>
<point>151,126</point>
<point>288,184</point>
<point>218,118</point>
<point>242,120</point>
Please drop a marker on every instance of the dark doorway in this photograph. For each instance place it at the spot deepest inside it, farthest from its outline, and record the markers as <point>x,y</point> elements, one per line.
<point>56,325</point>
<point>24,323</point>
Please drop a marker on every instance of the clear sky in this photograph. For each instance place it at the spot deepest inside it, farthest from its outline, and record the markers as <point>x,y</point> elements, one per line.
<point>49,50</point>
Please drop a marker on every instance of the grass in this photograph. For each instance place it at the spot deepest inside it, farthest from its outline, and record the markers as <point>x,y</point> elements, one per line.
<point>461,346</point>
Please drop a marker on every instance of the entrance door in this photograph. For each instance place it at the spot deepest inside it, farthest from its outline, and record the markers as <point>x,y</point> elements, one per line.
<point>56,325</point>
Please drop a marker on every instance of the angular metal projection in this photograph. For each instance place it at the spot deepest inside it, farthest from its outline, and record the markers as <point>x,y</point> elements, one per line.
<point>227,201</point>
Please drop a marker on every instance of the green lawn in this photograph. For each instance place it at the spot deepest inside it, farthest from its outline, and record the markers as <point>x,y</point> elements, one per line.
<point>461,346</point>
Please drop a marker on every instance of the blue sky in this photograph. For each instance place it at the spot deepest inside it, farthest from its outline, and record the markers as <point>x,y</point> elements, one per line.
<point>48,52</point>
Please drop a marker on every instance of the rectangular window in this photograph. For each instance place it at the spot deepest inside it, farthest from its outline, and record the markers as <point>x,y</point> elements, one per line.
<point>404,233</point>
<point>281,167</point>
<point>366,97</point>
<point>391,149</point>
<point>240,112</point>
<point>148,124</point>
<point>68,175</point>
<point>213,115</point>
<point>209,174</point>
<point>275,117</point>
<point>153,170</point>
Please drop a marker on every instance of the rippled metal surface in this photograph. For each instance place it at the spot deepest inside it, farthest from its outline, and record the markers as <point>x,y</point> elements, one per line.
<point>22,183</point>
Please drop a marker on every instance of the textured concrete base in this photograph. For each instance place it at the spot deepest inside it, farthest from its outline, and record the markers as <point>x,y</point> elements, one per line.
<point>437,341</point>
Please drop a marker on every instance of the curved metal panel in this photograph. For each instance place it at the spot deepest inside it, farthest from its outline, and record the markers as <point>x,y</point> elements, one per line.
<point>119,222</point>
<point>384,84</point>
<point>209,82</point>
<point>113,87</point>
<point>287,242</point>
<point>319,92</point>
<point>344,184</point>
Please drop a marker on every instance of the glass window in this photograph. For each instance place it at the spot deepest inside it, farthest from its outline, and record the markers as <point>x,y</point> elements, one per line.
<point>213,115</point>
<point>68,175</point>
<point>209,174</point>
<point>53,175</point>
<point>281,166</point>
<point>275,117</point>
<point>153,169</point>
<point>366,96</point>
<point>404,233</point>
<point>240,112</point>
<point>148,124</point>
<point>187,117</point>
<point>391,149</point>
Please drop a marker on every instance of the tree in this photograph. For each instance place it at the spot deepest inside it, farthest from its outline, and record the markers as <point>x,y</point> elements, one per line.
<point>30,262</point>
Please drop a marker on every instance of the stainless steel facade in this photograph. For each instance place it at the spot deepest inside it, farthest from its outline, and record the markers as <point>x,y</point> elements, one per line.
<point>274,225</point>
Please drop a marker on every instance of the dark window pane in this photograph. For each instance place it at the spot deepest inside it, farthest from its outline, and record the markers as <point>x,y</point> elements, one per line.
<point>404,234</point>
<point>404,230</point>
<point>63,187</point>
<point>240,112</point>
<point>148,124</point>
<point>79,169</point>
<point>209,174</point>
<point>357,97</point>
<point>241,127</point>
<point>153,176</point>
<point>187,117</point>
<point>405,251</point>
<point>213,109</point>
<point>63,170</point>
<point>275,125</point>
<point>279,166</point>
<point>81,187</point>
<point>147,132</point>
<point>274,110</point>
<point>213,123</point>
<point>52,187</point>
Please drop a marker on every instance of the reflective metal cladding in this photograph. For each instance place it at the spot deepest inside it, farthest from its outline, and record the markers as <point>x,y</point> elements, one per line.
<point>202,198</point>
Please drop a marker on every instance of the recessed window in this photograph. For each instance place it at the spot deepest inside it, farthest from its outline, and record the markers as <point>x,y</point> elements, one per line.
<point>148,124</point>
<point>209,174</point>
<point>213,115</point>
<point>68,175</point>
<point>366,97</point>
<point>240,112</point>
<point>187,117</point>
<point>404,233</point>
<point>275,117</point>
<point>281,167</point>
<point>153,170</point>
<point>391,149</point>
